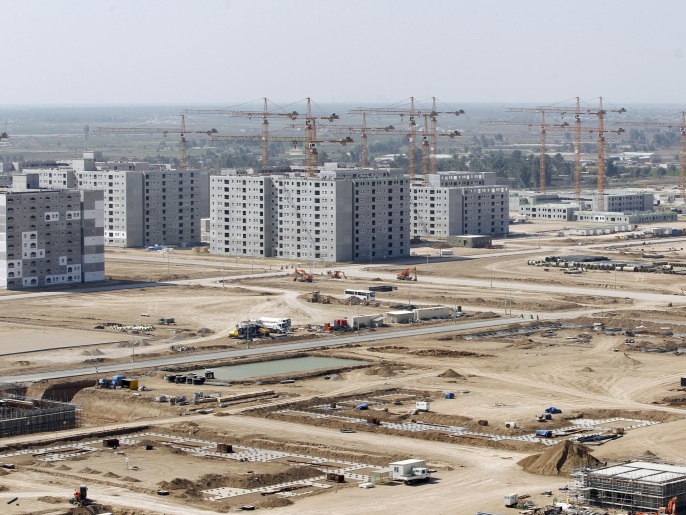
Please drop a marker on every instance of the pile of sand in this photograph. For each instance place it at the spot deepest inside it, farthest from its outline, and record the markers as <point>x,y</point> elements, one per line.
<point>444,353</point>
<point>130,479</point>
<point>451,373</point>
<point>112,474</point>
<point>559,460</point>
<point>89,470</point>
<point>587,369</point>
<point>63,467</point>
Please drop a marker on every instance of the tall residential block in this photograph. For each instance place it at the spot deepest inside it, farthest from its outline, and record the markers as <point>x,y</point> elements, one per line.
<point>458,203</point>
<point>340,215</point>
<point>50,238</point>
<point>144,204</point>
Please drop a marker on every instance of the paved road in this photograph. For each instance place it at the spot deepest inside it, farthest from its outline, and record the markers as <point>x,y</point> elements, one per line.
<point>371,336</point>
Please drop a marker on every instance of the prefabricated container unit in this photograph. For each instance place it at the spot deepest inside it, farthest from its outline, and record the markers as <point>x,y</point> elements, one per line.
<point>432,312</point>
<point>365,320</point>
<point>423,405</point>
<point>170,378</point>
<point>511,500</point>
<point>131,384</point>
<point>446,252</point>
<point>180,379</point>
<point>209,374</point>
<point>116,380</point>
<point>399,317</point>
<point>545,433</point>
<point>224,447</point>
<point>683,381</point>
<point>405,467</point>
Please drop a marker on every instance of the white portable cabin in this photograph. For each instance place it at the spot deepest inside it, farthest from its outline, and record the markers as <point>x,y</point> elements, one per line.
<point>432,312</point>
<point>405,469</point>
<point>423,405</point>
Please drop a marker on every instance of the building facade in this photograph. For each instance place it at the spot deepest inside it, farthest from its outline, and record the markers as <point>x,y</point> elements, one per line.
<point>144,204</point>
<point>455,203</point>
<point>549,211</point>
<point>51,238</point>
<point>340,215</point>
<point>625,202</point>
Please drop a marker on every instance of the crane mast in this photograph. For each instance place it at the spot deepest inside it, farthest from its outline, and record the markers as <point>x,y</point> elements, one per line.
<point>682,157</point>
<point>425,151</point>
<point>412,113</point>
<point>364,142</point>
<point>577,152</point>
<point>434,121</point>
<point>164,131</point>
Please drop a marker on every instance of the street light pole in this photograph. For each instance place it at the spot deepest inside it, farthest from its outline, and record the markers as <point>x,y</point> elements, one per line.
<point>491,268</point>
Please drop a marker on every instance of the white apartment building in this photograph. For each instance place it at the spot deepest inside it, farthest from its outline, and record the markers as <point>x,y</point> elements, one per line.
<point>549,211</point>
<point>144,204</point>
<point>625,202</point>
<point>340,215</point>
<point>50,237</point>
<point>456,203</point>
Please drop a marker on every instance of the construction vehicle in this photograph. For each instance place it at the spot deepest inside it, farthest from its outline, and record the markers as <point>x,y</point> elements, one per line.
<point>80,496</point>
<point>247,330</point>
<point>409,274</point>
<point>670,509</point>
<point>302,276</point>
<point>337,274</point>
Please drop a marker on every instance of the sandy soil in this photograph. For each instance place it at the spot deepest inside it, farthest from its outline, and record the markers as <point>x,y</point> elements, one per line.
<point>498,377</point>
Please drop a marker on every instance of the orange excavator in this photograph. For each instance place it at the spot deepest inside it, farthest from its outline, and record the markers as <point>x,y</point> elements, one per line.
<point>670,509</point>
<point>302,276</point>
<point>409,274</point>
<point>337,274</point>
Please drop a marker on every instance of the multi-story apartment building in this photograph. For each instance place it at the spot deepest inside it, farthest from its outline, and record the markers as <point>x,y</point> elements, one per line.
<point>50,237</point>
<point>144,204</point>
<point>455,203</point>
<point>340,215</point>
<point>625,202</point>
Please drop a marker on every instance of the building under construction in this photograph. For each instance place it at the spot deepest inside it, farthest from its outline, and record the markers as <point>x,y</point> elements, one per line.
<point>21,416</point>
<point>635,485</point>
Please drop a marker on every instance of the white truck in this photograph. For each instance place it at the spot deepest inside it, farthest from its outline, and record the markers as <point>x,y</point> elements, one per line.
<point>410,471</point>
<point>281,325</point>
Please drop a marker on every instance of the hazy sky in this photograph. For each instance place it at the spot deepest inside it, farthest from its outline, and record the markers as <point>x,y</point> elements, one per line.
<point>381,51</point>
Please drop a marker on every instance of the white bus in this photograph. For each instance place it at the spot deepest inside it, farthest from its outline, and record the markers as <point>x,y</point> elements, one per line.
<point>360,294</point>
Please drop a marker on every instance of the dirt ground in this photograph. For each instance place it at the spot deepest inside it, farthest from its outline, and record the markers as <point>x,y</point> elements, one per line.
<point>632,370</point>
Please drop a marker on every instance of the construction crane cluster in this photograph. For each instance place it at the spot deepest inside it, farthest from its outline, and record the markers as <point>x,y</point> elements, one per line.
<point>411,116</point>
<point>577,111</point>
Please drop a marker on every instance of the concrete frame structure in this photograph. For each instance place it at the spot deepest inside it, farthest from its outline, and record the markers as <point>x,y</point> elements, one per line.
<point>635,485</point>
<point>22,416</point>
<point>340,215</point>
<point>51,237</point>
<point>456,203</point>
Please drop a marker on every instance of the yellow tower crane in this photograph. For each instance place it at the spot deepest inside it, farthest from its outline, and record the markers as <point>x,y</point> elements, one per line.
<point>265,114</point>
<point>411,113</point>
<point>164,131</point>
<point>543,125</point>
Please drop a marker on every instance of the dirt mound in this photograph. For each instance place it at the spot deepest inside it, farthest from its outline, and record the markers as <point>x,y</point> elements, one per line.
<point>176,484</point>
<point>89,470</point>
<point>451,373</point>
<point>274,501</point>
<point>587,369</point>
<point>51,499</point>
<point>384,370</point>
<point>130,479</point>
<point>63,467</point>
<point>559,460</point>
<point>3,472</point>
<point>387,348</point>
<point>444,353</point>
<point>112,474</point>
<point>441,245</point>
